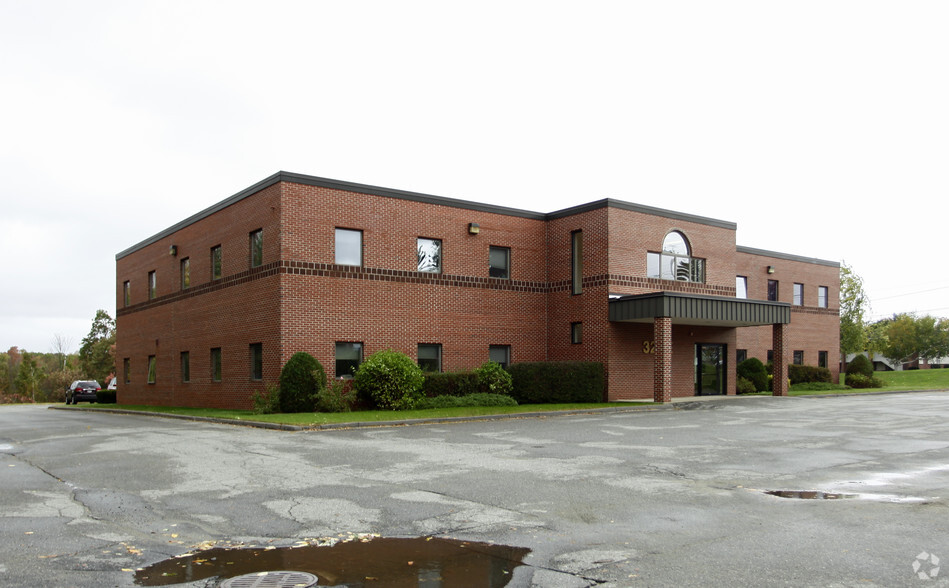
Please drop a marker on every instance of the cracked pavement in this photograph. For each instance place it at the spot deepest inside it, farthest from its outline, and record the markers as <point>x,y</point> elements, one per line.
<point>661,498</point>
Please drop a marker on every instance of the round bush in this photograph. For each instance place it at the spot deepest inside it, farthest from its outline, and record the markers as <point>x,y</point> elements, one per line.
<point>745,386</point>
<point>390,379</point>
<point>493,379</point>
<point>860,365</point>
<point>755,372</point>
<point>301,379</point>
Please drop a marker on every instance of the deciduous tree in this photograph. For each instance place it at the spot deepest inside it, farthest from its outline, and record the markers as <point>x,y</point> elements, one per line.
<point>854,305</point>
<point>96,354</point>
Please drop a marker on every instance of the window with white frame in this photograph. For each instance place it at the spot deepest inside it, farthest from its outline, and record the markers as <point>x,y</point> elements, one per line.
<point>675,261</point>
<point>429,255</point>
<point>348,247</point>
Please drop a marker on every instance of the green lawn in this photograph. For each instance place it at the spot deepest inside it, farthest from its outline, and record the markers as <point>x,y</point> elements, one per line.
<point>893,382</point>
<point>319,418</point>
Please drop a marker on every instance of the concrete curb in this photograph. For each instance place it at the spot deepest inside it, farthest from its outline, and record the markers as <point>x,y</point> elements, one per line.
<point>683,404</point>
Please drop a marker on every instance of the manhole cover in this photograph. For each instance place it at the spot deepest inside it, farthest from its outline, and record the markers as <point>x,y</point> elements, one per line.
<point>808,494</point>
<point>271,580</point>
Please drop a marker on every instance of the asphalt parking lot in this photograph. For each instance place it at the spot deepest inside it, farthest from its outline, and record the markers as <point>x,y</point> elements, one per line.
<point>641,498</point>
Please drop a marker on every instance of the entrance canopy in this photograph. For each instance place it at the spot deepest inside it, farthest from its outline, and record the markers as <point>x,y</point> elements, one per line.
<point>692,309</point>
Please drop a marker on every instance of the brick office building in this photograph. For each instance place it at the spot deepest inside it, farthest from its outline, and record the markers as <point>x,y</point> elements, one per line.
<point>212,307</point>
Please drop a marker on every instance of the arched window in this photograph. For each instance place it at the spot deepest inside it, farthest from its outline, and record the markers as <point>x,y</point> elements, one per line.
<point>675,261</point>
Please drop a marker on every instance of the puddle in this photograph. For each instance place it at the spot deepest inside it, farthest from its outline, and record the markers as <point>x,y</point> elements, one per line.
<point>809,494</point>
<point>422,561</point>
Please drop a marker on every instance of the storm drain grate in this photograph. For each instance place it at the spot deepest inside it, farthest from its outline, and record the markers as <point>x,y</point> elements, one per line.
<point>281,579</point>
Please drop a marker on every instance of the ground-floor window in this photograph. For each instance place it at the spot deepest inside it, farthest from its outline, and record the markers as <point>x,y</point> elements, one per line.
<point>576,333</point>
<point>256,361</point>
<point>740,355</point>
<point>216,362</point>
<point>152,368</point>
<point>126,369</point>
<point>185,366</point>
<point>348,358</point>
<point>798,357</point>
<point>822,359</point>
<point>500,354</point>
<point>430,357</point>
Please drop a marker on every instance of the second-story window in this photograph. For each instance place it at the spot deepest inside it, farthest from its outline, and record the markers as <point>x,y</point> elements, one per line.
<point>127,293</point>
<point>257,248</point>
<point>152,285</point>
<point>429,255</point>
<point>185,273</point>
<point>499,262</point>
<point>675,262</point>
<point>798,294</point>
<point>348,247</point>
<point>773,290</point>
<point>741,287</point>
<point>822,296</point>
<point>216,266</point>
<point>576,262</point>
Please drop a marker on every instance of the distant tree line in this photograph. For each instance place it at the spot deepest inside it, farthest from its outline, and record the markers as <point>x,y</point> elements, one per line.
<point>43,377</point>
<point>903,338</point>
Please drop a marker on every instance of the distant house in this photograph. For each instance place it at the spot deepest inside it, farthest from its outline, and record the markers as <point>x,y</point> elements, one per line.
<point>882,364</point>
<point>209,309</point>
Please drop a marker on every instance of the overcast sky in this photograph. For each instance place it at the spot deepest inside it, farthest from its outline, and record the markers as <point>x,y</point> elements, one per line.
<point>821,128</point>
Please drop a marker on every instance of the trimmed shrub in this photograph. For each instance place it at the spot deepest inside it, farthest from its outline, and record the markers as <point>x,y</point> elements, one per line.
<point>861,365</point>
<point>861,381</point>
<point>467,400</point>
<point>493,379</point>
<point>755,372</point>
<point>106,397</point>
<point>337,397</point>
<point>745,386</point>
<point>449,384</point>
<point>301,379</point>
<point>267,402</point>
<point>390,379</point>
<point>558,382</point>
<point>799,374</point>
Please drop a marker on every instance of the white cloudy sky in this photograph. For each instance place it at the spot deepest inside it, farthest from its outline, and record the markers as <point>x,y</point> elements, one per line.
<point>820,127</point>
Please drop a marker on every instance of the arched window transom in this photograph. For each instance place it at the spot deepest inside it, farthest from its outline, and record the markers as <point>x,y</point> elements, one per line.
<point>675,261</point>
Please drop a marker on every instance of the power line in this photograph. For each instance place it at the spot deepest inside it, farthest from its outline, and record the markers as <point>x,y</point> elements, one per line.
<point>911,293</point>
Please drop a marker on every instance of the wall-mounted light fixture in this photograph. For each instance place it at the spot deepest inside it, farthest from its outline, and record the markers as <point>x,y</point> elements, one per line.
<point>474,228</point>
<point>770,269</point>
<point>173,250</point>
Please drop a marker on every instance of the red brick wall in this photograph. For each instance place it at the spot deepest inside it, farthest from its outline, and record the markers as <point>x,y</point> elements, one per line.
<point>299,300</point>
<point>812,329</point>
<point>240,309</point>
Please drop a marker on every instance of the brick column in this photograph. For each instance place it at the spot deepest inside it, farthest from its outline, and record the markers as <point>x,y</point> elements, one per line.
<point>779,343</point>
<point>662,372</point>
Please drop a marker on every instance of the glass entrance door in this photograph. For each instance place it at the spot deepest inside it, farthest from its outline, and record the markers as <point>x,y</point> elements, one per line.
<point>709,369</point>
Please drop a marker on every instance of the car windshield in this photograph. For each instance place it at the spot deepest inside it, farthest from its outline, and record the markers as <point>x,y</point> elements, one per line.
<point>89,384</point>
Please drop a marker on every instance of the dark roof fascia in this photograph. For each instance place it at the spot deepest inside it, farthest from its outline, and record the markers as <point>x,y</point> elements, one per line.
<point>787,256</point>
<point>650,210</point>
<point>283,176</point>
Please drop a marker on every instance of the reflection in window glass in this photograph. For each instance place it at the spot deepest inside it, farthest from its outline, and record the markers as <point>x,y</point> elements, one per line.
<point>499,262</point>
<point>256,361</point>
<point>430,357</point>
<point>798,294</point>
<point>348,358</point>
<point>216,263</point>
<point>348,247</point>
<point>429,255</point>
<point>151,369</point>
<point>185,273</point>
<point>576,262</point>
<point>822,296</point>
<point>257,248</point>
<point>741,287</point>
<point>500,354</point>
<point>675,263</point>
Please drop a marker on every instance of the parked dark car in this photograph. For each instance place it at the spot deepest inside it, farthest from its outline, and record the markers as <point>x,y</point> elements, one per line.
<point>82,391</point>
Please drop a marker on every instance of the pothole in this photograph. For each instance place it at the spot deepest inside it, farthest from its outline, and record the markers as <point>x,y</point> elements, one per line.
<point>424,561</point>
